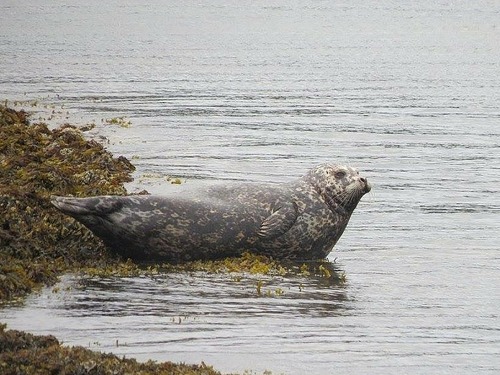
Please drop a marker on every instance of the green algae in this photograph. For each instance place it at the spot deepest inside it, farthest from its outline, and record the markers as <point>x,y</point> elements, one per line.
<point>247,262</point>
<point>254,264</point>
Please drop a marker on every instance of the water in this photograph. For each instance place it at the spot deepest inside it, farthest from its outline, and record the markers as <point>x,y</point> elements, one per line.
<point>408,93</point>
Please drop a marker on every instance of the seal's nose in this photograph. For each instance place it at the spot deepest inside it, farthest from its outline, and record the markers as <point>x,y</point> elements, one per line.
<point>368,187</point>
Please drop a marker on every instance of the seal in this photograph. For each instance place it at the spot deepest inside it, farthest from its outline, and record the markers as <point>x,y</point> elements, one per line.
<point>301,219</point>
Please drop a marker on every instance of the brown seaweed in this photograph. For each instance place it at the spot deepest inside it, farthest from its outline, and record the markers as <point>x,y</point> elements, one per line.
<point>37,243</point>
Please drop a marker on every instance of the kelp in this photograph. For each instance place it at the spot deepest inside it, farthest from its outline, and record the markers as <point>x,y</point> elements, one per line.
<point>254,264</point>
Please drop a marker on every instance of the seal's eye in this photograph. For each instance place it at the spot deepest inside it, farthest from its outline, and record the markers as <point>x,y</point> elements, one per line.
<point>340,175</point>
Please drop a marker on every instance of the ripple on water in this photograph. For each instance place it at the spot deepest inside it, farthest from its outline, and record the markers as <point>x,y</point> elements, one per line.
<point>407,94</point>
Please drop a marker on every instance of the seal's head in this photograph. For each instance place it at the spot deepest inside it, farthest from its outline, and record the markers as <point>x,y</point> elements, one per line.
<point>341,187</point>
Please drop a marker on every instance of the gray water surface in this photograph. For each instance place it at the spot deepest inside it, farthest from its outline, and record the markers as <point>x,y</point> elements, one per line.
<point>407,92</point>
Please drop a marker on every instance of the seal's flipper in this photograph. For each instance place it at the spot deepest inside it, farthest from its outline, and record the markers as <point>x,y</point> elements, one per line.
<point>279,222</point>
<point>96,206</point>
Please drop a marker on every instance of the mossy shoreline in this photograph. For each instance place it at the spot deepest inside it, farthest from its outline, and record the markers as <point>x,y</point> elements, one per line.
<point>37,243</point>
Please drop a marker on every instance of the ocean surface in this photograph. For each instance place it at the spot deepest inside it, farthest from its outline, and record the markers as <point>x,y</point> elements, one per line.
<point>407,92</point>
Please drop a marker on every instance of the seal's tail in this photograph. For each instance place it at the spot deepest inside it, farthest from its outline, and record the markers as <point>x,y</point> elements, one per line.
<point>95,206</point>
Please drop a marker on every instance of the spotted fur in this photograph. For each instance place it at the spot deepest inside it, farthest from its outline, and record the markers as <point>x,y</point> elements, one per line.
<point>302,219</point>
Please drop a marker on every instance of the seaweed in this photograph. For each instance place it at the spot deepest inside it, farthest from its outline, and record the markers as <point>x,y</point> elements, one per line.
<point>38,243</point>
<point>24,353</point>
